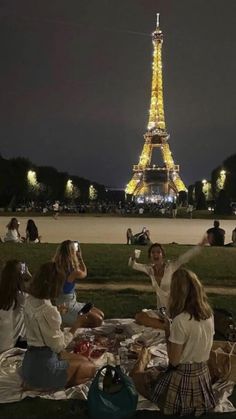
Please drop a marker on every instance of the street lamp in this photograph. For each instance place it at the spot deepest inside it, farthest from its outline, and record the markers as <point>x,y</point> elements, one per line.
<point>32,179</point>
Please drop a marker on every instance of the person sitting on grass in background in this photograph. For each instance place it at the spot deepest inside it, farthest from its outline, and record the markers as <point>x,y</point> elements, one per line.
<point>12,299</point>
<point>142,238</point>
<point>46,364</point>
<point>160,272</point>
<point>32,235</point>
<point>13,234</point>
<point>69,261</point>
<point>216,235</point>
<point>184,388</point>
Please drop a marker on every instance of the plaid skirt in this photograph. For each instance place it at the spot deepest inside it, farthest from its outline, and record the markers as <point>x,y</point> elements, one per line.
<point>184,390</point>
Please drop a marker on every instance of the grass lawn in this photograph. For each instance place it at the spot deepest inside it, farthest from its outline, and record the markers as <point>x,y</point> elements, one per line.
<point>108,263</point>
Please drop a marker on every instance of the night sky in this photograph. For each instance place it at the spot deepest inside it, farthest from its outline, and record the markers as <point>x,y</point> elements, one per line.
<point>75,79</point>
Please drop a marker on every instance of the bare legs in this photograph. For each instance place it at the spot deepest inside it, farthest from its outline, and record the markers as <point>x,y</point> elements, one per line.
<point>93,318</point>
<point>143,318</point>
<point>80,369</point>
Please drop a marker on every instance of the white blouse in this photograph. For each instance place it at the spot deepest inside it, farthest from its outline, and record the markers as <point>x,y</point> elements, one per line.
<point>163,290</point>
<point>43,325</point>
<point>12,324</point>
<point>12,236</point>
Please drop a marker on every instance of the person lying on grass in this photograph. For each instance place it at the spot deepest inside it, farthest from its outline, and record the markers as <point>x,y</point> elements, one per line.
<point>46,365</point>
<point>160,272</point>
<point>69,262</point>
<point>184,387</point>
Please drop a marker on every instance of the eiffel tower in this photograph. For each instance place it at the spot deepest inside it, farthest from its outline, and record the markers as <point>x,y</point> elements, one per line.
<point>153,182</point>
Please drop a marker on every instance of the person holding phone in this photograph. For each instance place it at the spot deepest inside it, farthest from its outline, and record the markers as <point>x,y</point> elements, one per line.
<point>14,277</point>
<point>69,261</point>
<point>47,365</point>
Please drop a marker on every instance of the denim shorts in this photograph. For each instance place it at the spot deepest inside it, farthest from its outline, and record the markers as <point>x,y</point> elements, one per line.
<point>73,307</point>
<point>42,368</point>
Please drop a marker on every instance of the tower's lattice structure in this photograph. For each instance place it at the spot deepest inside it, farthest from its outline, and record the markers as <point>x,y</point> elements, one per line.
<point>151,179</point>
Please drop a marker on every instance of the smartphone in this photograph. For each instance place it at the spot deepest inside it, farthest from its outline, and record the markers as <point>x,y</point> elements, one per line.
<point>23,268</point>
<point>77,246</point>
<point>85,309</point>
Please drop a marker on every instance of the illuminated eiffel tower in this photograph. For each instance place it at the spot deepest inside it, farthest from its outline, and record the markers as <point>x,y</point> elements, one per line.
<point>152,181</point>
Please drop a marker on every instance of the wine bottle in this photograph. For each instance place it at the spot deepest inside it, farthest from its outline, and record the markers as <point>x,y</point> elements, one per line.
<point>108,378</point>
<point>117,381</point>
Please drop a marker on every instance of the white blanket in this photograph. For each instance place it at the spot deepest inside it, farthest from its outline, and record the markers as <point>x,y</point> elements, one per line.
<point>11,382</point>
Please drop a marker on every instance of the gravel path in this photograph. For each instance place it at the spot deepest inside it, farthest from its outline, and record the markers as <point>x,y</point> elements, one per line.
<point>99,229</point>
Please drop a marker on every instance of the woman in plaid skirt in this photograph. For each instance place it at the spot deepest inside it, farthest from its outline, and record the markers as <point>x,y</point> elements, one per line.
<point>185,387</point>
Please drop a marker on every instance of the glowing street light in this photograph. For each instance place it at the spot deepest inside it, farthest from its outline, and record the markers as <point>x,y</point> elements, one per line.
<point>32,178</point>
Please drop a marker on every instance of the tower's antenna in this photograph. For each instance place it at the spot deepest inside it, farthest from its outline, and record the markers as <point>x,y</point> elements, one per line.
<point>158,20</point>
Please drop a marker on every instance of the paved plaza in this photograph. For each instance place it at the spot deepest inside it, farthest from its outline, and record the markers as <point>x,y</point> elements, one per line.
<point>98,229</point>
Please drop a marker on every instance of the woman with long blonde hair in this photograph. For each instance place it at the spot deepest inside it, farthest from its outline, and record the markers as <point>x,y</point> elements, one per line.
<point>185,387</point>
<point>68,259</point>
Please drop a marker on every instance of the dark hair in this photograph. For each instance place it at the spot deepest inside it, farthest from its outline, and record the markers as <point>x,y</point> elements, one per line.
<point>216,223</point>
<point>156,245</point>
<point>32,230</point>
<point>10,284</point>
<point>13,224</point>
<point>47,282</point>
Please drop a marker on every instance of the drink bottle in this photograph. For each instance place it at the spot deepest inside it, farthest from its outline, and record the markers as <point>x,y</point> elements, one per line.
<point>108,378</point>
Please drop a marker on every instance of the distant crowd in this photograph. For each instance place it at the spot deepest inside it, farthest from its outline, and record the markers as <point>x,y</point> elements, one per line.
<point>161,208</point>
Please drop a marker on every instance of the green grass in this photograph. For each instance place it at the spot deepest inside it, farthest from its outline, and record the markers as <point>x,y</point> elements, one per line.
<point>109,262</point>
<point>126,302</point>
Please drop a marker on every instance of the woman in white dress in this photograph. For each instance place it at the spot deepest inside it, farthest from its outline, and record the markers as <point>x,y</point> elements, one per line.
<point>160,272</point>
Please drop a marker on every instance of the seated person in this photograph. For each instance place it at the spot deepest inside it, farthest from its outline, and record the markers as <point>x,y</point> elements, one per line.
<point>160,272</point>
<point>69,261</point>
<point>142,238</point>
<point>13,234</point>
<point>32,235</point>
<point>184,388</point>
<point>233,237</point>
<point>46,365</point>
<point>216,235</point>
<point>12,300</point>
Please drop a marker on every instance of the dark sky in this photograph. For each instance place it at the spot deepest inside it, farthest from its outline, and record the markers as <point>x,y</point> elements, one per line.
<point>75,79</point>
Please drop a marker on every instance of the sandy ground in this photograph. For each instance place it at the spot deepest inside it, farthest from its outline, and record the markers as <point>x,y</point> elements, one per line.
<point>113,229</point>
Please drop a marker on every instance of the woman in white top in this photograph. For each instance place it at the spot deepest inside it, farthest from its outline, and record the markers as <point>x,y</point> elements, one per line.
<point>13,234</point>
<point>12,300</point>
<point>46,365</point>
<point>185,387</point>
<point>160,272</point>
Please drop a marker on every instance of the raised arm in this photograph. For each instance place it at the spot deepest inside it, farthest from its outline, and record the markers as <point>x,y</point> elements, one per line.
<point>80,272</point>
<point>138,266</point>
<point>185,257</point>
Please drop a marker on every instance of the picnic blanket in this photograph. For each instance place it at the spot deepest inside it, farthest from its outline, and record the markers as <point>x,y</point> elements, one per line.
<point>11,389</point>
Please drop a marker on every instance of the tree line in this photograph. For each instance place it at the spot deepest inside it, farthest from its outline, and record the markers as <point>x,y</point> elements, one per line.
<point>45,184</point>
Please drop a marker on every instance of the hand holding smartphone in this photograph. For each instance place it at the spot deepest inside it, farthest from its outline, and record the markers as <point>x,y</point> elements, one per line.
<point>23,268</point>
<point>85,309</point>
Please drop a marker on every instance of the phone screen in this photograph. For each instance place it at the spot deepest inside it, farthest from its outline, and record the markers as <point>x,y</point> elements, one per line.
<point>23,267</point>
<point>76,244</point>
